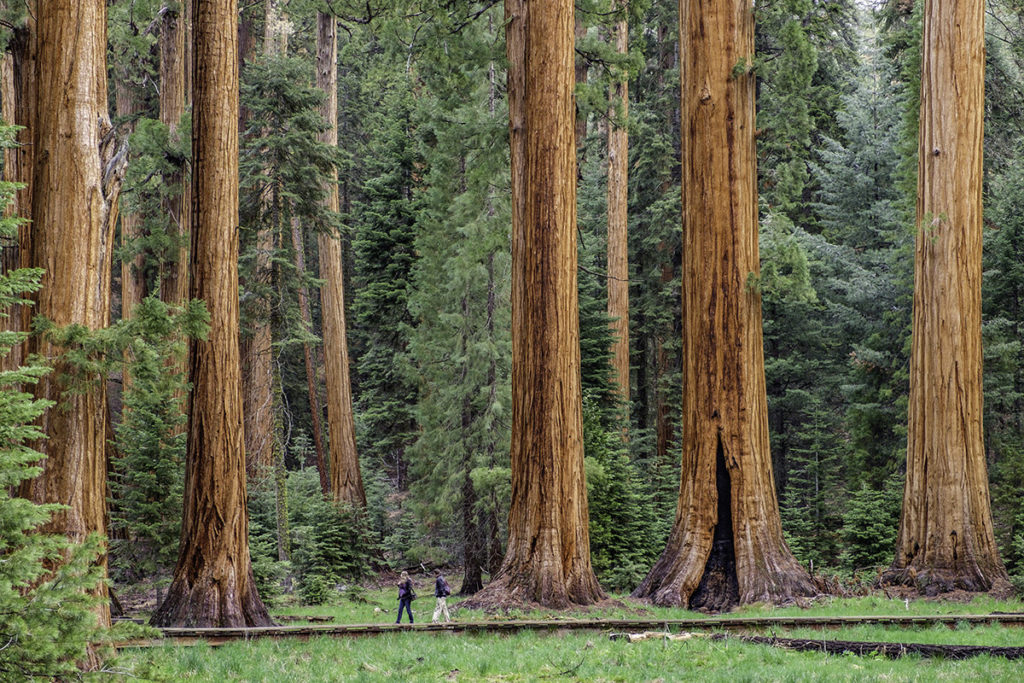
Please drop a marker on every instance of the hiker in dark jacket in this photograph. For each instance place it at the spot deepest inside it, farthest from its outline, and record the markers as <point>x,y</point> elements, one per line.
<point>441,592</point>
<point>405,597</point>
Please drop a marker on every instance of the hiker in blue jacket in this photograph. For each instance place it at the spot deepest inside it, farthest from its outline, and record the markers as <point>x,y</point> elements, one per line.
<point>405,597</point>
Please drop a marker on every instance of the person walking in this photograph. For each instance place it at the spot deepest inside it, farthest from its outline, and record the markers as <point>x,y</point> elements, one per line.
<point>441,592</point>
<point>405,597</point>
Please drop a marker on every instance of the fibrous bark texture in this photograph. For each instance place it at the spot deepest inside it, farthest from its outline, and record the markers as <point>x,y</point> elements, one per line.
<point>346,479</point>
<point>717,548</point>
<point>213,582</point>
<point>548,556</point>
<point>75,185</point>
<point>618,194</point>
<point>946,540</point>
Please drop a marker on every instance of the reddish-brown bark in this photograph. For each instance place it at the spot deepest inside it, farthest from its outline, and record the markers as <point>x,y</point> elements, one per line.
<point>75,185</point>
<point>19,108</point>
<point>946,540</point>
<point>346,478</point>
<point>548,556</point>
<point>213,583</point>
<point>618,195</point>
<point>726,545</point>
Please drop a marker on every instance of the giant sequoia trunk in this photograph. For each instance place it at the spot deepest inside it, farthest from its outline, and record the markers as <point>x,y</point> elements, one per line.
<point>548,556</point>
<point>346,479</point>
<point>75,185</point>
<point>618,195</point>
<point>726,545</point>
<point>213,582</point>
<point>946,540</point>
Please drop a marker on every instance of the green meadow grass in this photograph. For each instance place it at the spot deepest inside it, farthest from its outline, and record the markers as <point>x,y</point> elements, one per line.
<point>584,656</point>
<point>530,656</point>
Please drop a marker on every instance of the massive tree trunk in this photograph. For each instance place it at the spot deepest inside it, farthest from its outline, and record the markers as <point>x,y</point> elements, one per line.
<point>726,545</point>
<point>346,479</point>
<point>946,540</point>
<point>213,583</point>
<point>618,195</point>
<point>19,108</point>
<point>548,555</point>
<point>75,184</point>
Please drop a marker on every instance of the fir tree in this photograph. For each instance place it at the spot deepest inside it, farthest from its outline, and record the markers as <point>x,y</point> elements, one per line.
<point>383,230</point>
<point>47,583</point>
<point>148,480</point>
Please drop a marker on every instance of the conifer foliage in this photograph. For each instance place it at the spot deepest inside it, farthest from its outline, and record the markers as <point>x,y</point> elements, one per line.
<point>46,609</point>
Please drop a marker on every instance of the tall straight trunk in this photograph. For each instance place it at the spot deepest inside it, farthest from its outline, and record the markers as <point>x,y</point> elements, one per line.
<point>580,71</point>
<point>946,540</point>
<point>19,107</point>
<point>548,556</point>
<point>73,202</point>
<point>346,478</point>
<point>257,349</point>
<point>726,545</point>
<point>133,277</point>
<point>618,195</point>
<point>173,100</point>
<point>213,582</point>
<point>307,354</point>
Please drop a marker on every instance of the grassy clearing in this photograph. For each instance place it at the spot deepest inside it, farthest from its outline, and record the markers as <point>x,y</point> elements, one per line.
<point>531,656</point>
<point>378,606</point>
<point>583,656</point>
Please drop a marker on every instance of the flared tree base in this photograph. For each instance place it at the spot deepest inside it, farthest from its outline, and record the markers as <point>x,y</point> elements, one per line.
<point>934,581</point>
<point>207,603</point>
<point>512,590</point>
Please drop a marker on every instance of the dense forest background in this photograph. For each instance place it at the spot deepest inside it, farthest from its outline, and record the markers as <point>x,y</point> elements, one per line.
<point>424,221</point>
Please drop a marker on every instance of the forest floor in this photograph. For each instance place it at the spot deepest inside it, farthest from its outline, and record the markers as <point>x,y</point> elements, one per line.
<point>582,656</point>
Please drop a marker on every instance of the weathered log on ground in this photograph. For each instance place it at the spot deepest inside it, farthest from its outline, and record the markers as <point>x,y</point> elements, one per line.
<point>891,650</point>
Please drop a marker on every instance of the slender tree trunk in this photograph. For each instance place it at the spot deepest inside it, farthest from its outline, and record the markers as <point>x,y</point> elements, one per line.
<point>75,184</point>
<point>946,540</point>
<point>548,555</point>
<point>213,583</point>
<point>257,349</point>
<point>133,276</point>
<point>307,354</point>
<point>580,71</point>
<point>726,545</point>
<point>472,578</point>
<point>618,195</point>
<point>173,100</point>
<point>19,108</point>
<point>346,479</point>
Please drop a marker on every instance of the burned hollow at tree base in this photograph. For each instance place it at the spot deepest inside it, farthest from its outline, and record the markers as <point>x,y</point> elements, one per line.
<point>719,590</point>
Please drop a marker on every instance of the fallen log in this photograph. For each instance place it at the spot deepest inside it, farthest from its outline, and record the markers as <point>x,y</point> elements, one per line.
<point>651,635</point>
<point>891,650</point>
